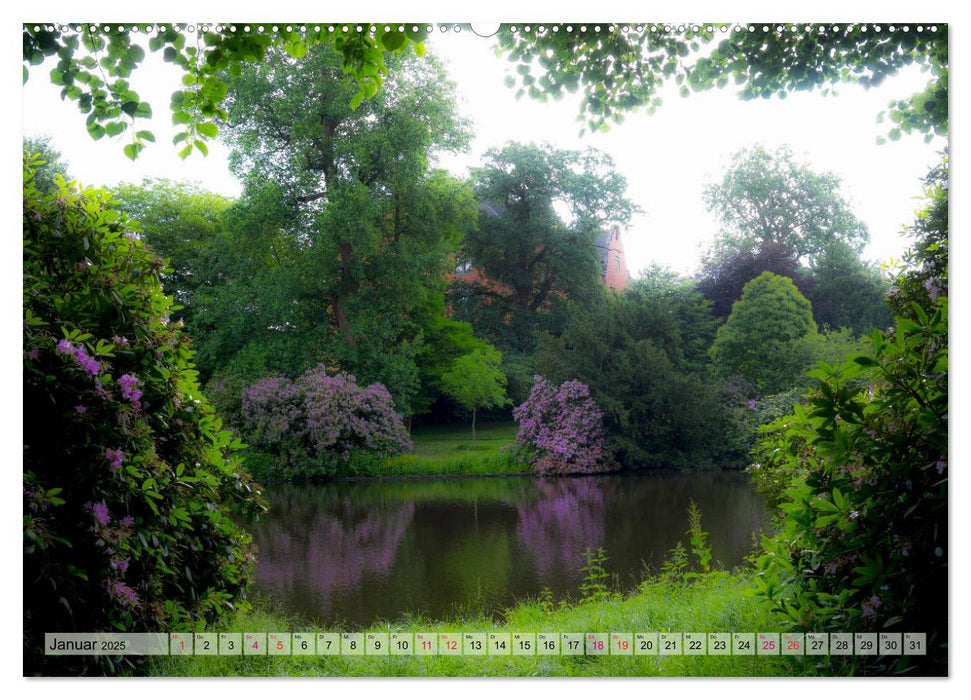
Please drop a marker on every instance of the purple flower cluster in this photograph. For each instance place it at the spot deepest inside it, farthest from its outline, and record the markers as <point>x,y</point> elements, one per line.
<point>935,288</point>
<point>128,383</point>
<point>86,362</point>
<point>99,511</point>
<point>114,458</point>
<point>564,428</point>
<point>319,415</point>
<point>122,593</point>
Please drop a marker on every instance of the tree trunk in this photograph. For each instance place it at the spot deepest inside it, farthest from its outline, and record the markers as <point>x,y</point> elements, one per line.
<point>340,318</point>
<point>473,426</point>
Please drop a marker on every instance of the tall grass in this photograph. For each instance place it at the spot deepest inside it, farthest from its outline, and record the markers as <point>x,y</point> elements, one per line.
<point>715,602</point>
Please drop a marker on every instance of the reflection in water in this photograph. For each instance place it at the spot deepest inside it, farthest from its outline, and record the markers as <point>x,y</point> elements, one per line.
<point>566,518</point>
<point>353,553</point>
<point>314,549</point>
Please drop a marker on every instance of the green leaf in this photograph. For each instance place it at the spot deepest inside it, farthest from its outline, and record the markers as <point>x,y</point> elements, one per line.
<point>145,136</point>
<point>207,129</point>
<point>393,40</point>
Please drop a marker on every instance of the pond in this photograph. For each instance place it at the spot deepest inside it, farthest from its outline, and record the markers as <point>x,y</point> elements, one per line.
<point>347,554</point>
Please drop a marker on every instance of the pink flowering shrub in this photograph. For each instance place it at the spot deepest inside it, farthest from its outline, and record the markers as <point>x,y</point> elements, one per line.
<point>561,429</point>
<point>317,424</point>
<point>127,472</point>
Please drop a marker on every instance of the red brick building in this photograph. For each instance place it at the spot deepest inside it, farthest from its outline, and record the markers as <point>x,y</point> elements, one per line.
<point>613,261</point>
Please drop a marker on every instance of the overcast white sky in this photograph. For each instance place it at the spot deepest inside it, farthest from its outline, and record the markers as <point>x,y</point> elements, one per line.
<point>667,157</point>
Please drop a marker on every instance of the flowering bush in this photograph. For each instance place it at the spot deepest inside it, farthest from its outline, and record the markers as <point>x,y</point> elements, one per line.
<point>318,423</point>
<point>863,543</point>
<point>562,429</point>
<point>128,475</point>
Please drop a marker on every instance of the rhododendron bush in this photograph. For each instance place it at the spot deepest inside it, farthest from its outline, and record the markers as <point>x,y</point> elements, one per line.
<point>317,424</point>
<point>561,429</point>
<point>128,475</point>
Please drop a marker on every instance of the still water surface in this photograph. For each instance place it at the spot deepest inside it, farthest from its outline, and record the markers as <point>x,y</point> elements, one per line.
<point>350,553</point>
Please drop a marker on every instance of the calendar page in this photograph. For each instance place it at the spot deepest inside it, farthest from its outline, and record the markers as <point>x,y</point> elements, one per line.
<point>520,348</point>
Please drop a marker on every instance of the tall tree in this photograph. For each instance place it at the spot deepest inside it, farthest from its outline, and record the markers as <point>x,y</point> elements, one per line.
<point>769,197</point>
<point>343,230</point>
<point>848,293</point>
<point>730,263</point>
<point>528,254</point>
<point>780,216</point>
<point>641,354</point>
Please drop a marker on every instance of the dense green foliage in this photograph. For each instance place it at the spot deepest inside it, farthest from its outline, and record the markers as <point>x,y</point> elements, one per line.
<point>184,224</point>
<point>847,292</point>
<point>96,61</point>
<point>780,216</point>
<point>767,338</point>
<point>863,544</point>
<point>623,68</point>
<point>129,478</point>
<point>860,477</point>
<point>529,259</point>
<point>642,353</point>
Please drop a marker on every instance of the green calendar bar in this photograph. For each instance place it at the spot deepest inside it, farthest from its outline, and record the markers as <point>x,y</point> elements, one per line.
<point>546,644</point>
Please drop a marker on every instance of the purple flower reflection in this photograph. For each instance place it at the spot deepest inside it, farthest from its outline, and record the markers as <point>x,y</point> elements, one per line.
<point>567,519</point>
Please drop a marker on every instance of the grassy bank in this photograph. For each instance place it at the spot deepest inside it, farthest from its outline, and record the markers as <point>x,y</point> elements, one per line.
<point>437,451</point>
<point>716,603</point>
<point>449,450</point>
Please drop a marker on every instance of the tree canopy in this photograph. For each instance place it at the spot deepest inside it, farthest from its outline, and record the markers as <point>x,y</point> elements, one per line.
<point>769,197</point>
<point>97,77</point>
<point>342,231</point>
<point>781,216</point>
<point>540,215</point>
<point>624,68</point>
<point>619,67</point>
<point>764,339</point>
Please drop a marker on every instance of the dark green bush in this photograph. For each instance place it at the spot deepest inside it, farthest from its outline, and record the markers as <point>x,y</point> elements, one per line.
<point>128,475</point>
<point>863,540</point>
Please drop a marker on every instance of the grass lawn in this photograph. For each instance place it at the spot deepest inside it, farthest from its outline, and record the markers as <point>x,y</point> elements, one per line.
<point>444,442</point>
<point>719,602</point>
<point>438,451</point>
<point>449,450</point>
